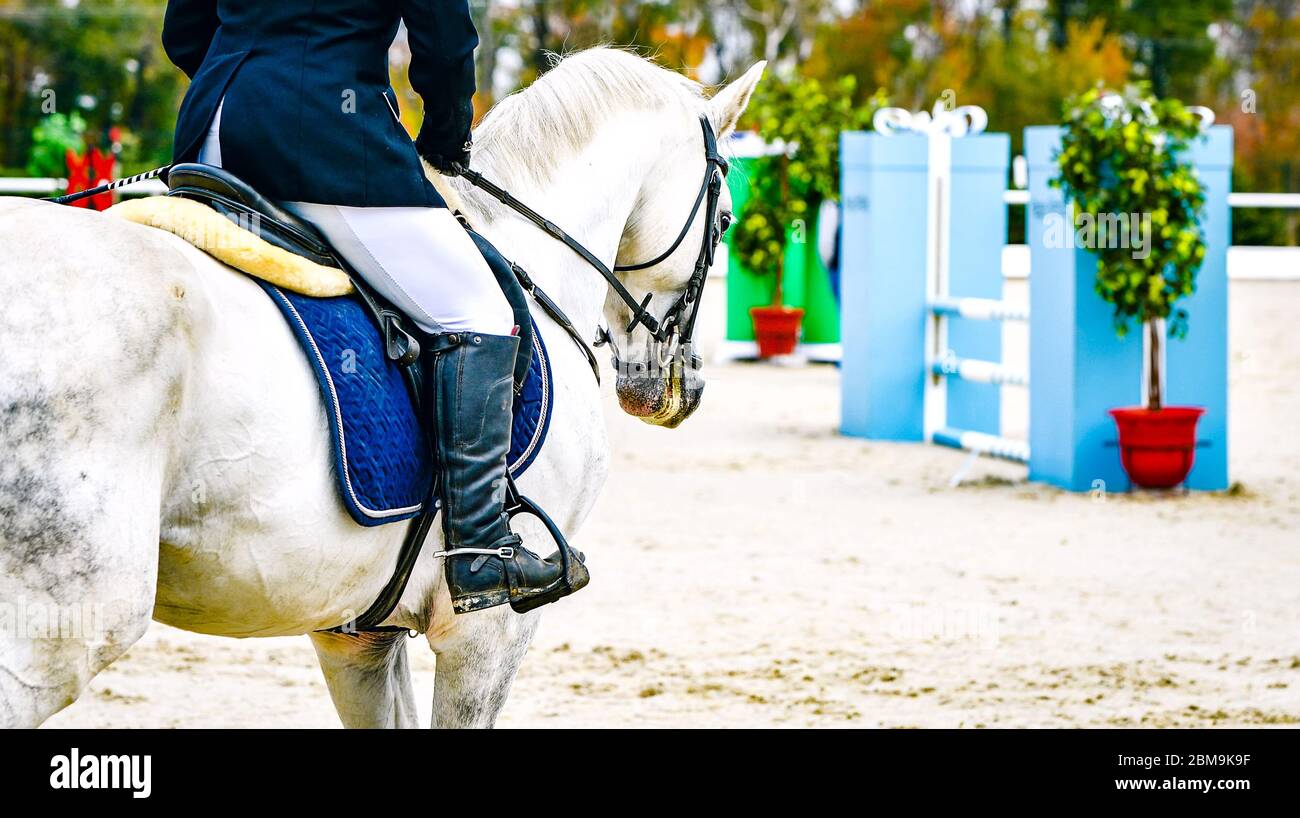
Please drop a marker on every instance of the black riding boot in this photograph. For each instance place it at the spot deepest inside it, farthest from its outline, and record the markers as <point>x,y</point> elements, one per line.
<point>487,565</point>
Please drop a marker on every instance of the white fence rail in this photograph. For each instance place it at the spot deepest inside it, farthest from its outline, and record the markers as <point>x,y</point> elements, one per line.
<point>48,186</point>
<point>1245,262</point>
<point>1283,201</point>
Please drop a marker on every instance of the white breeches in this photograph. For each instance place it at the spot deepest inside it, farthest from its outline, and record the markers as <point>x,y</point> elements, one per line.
<point>419,258</point>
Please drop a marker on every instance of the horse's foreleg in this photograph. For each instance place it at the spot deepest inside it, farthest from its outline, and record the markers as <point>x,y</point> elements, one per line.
<point>477,660</point>
<point>369,677</point>
<point>78,563</point>
<point>41,675</point>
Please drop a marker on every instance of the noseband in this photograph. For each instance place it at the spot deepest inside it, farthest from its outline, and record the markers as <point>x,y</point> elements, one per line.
<point>679,320</point>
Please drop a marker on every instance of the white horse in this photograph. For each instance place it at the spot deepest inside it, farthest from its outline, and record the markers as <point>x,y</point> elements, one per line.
<point>165,453</point>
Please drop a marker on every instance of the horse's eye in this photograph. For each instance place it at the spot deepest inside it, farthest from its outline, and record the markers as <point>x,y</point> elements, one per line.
<point>726,221</point>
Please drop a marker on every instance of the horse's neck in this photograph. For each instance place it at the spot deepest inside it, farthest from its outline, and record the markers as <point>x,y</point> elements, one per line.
<point>591,197</point>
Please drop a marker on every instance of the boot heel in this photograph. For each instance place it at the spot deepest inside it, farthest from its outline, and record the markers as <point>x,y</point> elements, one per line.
<point>477,602</point>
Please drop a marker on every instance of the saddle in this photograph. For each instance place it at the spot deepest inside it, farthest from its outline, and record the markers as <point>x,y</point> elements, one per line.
<point>382,453</point>
<point>236,200</point>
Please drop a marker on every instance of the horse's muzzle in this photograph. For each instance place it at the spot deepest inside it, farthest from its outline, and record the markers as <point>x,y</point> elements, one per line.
<point>660,401</point>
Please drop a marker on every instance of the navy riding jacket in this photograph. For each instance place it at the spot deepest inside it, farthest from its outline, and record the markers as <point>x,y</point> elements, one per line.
<point>309,114</point>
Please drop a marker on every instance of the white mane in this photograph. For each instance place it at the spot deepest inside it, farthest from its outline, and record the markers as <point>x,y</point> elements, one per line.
<point>524,138</point>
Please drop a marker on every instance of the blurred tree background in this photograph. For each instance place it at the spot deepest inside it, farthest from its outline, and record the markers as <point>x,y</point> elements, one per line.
<point>100,59</point>
<point>1019,59</point>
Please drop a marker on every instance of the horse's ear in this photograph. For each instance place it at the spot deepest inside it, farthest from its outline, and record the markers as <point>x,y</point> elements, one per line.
<point>727,106</point>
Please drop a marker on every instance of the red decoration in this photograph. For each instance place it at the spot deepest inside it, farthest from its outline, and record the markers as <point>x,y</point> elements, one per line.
<point>78,175</point>
<point>91,170</point>
<point>102,165</point>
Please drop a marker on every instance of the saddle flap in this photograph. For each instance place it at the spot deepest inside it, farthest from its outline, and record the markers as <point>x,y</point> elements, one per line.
<point>383,462</point>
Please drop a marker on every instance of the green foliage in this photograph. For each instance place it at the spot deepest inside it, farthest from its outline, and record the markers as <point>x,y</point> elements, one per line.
<point>1021,60</point>
<point>1120,155</point>
<point>805,117</point>
<point>52,138</point>
<point>102,59</point>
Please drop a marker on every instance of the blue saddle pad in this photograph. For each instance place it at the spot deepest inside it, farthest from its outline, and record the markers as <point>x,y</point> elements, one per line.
<point>382,457</point>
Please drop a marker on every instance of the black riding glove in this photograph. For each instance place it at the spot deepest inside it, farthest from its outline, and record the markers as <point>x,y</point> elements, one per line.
<point>453,165</point>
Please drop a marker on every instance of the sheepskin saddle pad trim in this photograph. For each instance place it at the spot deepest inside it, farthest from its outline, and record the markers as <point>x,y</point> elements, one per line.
<point>231,243</point>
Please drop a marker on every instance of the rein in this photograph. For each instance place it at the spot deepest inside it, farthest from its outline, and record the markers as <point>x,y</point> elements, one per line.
<point>680,318</point>
<point>557,315</point>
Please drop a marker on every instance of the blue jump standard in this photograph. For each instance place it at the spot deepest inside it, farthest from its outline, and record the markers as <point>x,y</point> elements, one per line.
<point>1078,367</point>
<point>883,306</point>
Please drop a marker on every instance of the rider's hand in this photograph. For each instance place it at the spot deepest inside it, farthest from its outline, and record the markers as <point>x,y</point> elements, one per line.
<point>453,165</point>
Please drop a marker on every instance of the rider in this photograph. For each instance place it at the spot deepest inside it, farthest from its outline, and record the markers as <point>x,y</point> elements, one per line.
<point>293,97</point>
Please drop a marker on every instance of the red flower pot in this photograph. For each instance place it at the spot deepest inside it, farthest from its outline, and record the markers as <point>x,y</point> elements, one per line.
<point>1157,446</point>
<point>776,329</point>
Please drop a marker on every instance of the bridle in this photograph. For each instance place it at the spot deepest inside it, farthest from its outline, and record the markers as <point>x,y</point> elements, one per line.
<point>679,320</point>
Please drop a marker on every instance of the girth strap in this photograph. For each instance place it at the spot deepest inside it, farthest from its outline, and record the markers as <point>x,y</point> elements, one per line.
<point>388,598</point>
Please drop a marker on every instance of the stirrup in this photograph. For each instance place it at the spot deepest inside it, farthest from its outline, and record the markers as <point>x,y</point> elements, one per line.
<point>574,574</point>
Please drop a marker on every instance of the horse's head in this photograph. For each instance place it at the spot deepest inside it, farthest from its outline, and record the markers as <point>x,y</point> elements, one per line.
<point>663,255</point>
<point>627,151</point>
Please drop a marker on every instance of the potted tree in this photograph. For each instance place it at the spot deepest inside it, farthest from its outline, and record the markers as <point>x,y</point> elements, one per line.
<point>802,119</point>
<point>1120,164</point>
